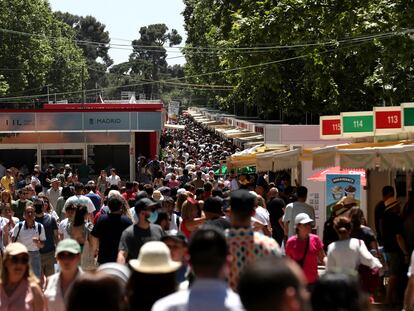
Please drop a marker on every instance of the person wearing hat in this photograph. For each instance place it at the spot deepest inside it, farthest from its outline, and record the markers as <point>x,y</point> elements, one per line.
<point>135,236</point>
<point>54,192</point>
<point>157,196</point>
<point>58,285</point>
<point>178,245</point>
<point>153,276</point>
<point>19,288</point>
<point>295,208</point>
<point>209,258</point>
<point>306,248</point>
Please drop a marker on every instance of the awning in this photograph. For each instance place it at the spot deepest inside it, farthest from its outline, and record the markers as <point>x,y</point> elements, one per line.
<point>382,156</point>
<point>265,158</point>
<point>321,175</point>
<point>174,126</point>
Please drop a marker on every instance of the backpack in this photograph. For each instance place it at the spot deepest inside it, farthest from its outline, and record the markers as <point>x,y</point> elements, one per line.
<point>39,229</point>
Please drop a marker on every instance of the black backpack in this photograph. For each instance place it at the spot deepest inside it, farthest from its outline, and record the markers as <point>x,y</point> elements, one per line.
<point>39,229</point>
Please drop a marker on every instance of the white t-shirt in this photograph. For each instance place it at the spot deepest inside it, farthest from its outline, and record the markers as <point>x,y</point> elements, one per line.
<point>26,235</point>
<point>113,180</point>
<point>346,255</point>
<point>80,199</point>
<point>62,228</point>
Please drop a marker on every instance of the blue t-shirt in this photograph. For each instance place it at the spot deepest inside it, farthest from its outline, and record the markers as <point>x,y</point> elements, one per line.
<point>96,200</point>
<point>49,225</point>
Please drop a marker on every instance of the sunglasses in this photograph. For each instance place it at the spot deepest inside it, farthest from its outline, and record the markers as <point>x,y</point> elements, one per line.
<point>66,255</point>
<point>24,260</point>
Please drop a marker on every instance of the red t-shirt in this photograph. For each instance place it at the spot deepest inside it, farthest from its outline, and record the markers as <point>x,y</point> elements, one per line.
<point>129,195</point>
<point>295,248</point>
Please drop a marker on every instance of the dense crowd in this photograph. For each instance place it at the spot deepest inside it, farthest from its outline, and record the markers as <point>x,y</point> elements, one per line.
<point>187,235</point>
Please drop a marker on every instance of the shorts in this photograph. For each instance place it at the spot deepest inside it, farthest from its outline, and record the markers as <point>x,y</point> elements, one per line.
<point>395,263</point>
<point>48,263</point>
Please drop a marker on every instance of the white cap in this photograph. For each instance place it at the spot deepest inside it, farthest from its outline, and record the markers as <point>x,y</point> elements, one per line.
<point>302,218</point>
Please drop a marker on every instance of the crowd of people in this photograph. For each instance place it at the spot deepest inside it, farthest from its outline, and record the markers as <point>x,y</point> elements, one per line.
<point>187,236</point>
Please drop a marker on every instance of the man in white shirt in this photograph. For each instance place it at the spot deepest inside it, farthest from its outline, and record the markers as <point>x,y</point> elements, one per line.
<point>295,208</point>
<point>208,252</point>
<point>114,179</point>
<point>81,199</point>
<point>54,192</point>
<point>32,235</point>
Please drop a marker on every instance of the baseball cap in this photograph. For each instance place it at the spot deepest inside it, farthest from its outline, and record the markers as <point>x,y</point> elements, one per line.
<point>16,248</point>
<point>302,218</point>
<point>68,245</point>
<point>175,235</point>
<point>144,204</point>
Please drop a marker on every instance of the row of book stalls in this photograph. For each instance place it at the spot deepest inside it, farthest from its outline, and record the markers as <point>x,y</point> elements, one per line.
<point>352,154</point>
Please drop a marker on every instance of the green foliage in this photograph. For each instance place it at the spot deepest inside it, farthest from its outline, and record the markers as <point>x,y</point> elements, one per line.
<point>93,39</point>
<point>320,78</point>
<point>36,50</point>
<point>147,64</point>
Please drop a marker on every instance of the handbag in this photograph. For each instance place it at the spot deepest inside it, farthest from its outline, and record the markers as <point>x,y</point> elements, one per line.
<point>369,278</point>
<point>301,262</point>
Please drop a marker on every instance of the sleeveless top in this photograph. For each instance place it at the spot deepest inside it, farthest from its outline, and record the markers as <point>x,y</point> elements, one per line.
<point>21,300</point>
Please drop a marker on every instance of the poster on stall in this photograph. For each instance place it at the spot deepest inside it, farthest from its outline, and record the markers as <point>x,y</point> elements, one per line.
<point>340,185</point>
<point>173,111</point>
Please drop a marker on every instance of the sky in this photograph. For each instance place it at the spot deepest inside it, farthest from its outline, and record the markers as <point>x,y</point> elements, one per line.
<point>123,19</point>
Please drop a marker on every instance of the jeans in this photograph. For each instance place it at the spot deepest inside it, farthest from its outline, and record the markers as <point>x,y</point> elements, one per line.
<point>35,263</point>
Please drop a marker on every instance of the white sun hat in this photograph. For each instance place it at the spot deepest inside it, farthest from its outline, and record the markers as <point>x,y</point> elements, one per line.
<point>154,257</point>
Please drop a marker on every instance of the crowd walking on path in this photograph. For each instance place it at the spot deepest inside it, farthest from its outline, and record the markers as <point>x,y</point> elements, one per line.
<point>188,235</point>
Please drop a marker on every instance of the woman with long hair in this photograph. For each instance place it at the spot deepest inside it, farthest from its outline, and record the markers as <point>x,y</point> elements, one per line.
<point>80,230</point>
<point>347,253</point>
<point>101,182</point>
<point>189,214</point>
<point>19,288</point>
<point>6,197</point>
<point>153,276</point>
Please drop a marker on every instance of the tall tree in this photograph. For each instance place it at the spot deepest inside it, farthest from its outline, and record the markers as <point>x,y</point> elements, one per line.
<point>148,57</point>
<point>322,67</point>
<point>94,40</point>
<point>35,48</point>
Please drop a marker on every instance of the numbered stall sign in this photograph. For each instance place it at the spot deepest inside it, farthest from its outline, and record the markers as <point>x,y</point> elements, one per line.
<point>357,124</point>
<point>330,127</point>
<point>408,116</point>
<point>387,120</point>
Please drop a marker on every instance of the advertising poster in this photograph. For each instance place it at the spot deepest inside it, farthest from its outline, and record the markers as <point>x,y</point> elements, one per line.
<point>173,111</point>
<point>340,185</point>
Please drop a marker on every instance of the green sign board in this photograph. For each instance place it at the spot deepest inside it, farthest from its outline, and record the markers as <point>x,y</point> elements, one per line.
<point>408,116</point>
<point>358,124</point>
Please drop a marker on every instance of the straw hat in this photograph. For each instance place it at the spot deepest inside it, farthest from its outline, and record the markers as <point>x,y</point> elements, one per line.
<point>343,205</point>
<point>156,195</point>
<point>154,257</point>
